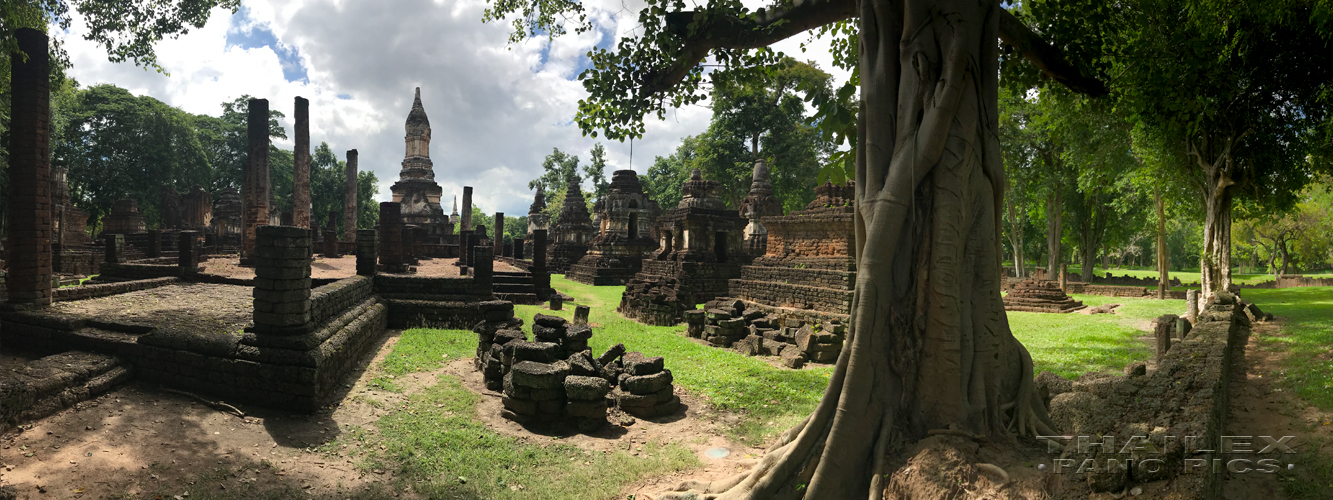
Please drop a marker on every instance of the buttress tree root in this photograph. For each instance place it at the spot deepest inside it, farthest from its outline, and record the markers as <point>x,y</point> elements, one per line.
<point>929,345</point>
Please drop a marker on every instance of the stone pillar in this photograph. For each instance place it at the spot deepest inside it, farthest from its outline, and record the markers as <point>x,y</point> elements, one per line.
<point>154,244</point>
<point>483,274</point>
<point>366,242</point>
<point>115,249</point>
<point>581,315</point>
<point>1192,305</point>
<point>518,248</point>
<point>331,244</point>
<point>498,244</point>
<point>187,248</point>
<point>349,199</point>
<point>466,215</point>
<point>29,245</point>
<point>333,221</point>
<point>541,278</point>
<point>1162,332</point>
<point>282,280</point>
<point>410,244</point>
<point>463,238</point>
<point>301,168</point>
<point>255,186</point>
<point>557,303</point>
<point>419,243</point>
<point>474,241</point>
<point>1183,327</point>
<point>391,238</point>
<point>287,218</point>
<point>1063,269</point>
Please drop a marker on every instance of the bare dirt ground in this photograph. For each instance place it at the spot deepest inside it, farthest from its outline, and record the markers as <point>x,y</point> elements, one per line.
<point>1259,407</point>
<point>140,441</point>
<point>342,267</point>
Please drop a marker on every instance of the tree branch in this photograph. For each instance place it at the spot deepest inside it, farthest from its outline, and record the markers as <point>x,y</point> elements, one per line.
<point>771,26</point>
<point>1046,58</point>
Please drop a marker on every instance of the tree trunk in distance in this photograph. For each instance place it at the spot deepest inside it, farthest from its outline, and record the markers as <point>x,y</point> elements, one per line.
<point>1054,207</point>
<point>929,343</point>
<point>1163,280</point>
<point>1015,240</point>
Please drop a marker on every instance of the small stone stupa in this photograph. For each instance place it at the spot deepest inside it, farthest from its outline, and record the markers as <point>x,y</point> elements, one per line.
<point>572,231</point>
<point>761,202</point>
<point>1040,296</point>
<point>618,249</point>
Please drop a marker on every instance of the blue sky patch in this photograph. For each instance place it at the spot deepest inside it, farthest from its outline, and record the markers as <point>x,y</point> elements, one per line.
<point>260,36</point>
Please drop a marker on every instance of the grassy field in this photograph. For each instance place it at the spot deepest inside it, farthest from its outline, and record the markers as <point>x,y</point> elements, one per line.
<point>1072,344</point>
<point>439,451</point>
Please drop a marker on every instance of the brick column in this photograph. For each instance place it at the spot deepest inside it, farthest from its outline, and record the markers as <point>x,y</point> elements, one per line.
<point>29,279</point>
<point>463,238</point>
<point>301,167</point>
<point>187,247</point>
<point>331,244</point>
<point>154,244</point>
<point>282,280</point>
<point>410,244</point>
<point>483,274</point>
<point>391,238</point>
<point>349,199</point>
<point>465,217</point>
<point>366,242</point>
<point>518,248</point>
<point>255,186</point>
<point>498,244</point>
<point>474,243</point>
<point>115,248</point>
<point>541,278</point>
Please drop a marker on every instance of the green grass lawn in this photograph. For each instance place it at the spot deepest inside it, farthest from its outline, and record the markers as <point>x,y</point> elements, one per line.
<point>441,451</point>
<point>767,399</point>
<point>1072,344</point>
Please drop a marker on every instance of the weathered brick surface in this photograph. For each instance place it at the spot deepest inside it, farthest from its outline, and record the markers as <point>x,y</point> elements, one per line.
<point>106,289</point>
<point>255,183</point>
<point>301,166</point>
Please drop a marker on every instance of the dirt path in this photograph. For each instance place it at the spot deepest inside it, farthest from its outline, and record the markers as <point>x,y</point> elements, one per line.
<point>142,442</point>
<point>1260,407</point>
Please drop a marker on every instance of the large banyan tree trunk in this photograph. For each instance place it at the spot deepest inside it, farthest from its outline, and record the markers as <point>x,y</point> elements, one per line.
<point>929,344</point>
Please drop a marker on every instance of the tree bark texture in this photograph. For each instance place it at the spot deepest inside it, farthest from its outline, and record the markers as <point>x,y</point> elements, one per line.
<point>1163,280</point>
<point>929,344</point>
<point>1216,160</point>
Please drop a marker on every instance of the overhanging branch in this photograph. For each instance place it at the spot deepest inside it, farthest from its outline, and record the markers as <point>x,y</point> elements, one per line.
<point>1046,58</point>
<point>775,25</point>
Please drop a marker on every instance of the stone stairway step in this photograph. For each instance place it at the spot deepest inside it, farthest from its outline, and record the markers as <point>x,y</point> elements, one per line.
<point>39,388</point>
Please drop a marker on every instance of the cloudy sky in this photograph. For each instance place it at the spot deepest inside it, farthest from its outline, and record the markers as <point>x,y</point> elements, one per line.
<point>496,110</point>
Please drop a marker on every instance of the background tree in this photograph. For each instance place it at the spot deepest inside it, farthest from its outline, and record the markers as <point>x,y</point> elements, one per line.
<point>117,146</point>
<point>557,171</point>
<point>1242,86</point>
<point>595,171</point>
<point>929,345</point>
<point>667,174</point>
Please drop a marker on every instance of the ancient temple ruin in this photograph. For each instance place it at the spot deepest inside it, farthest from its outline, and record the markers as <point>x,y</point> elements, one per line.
<point>70,225</point>
<point>124,219</point>
<point>760,202</point>
<point>616,253</point>
<point>416,189</point>
<point>537,219</point>
<point>701,249</point>
<point>572,230</point>
<point>1040,296</point>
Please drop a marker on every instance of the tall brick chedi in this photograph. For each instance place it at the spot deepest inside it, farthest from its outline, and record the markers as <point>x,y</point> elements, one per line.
<point>29,194</point>
<point>301,166</point>
<point>254,185</point>
<point>416,190</point>
<point>349,199</point>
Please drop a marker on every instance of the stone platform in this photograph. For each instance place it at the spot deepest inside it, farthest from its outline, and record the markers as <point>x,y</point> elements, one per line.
<point>1040,296</point>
